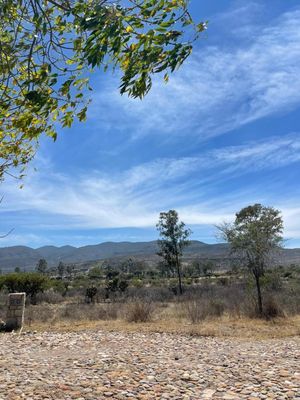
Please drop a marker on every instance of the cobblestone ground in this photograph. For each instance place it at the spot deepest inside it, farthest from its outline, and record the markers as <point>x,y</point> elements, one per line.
<point>101,365</point>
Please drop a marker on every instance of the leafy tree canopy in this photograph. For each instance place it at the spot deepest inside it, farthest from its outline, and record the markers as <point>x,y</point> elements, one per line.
<point>49,47</point>
<point>173,236</point>
<point>254,235</point>
<point>31,283</point>
<point>256,231</point>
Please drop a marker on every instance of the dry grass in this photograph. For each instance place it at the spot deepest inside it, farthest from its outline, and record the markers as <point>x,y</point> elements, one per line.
<point>169,318</point>
<point>56,313</point>
<point>139,311</point>
<point>198,310</point>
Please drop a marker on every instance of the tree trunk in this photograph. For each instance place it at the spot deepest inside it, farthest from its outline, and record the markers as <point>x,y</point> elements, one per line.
<point>179,275</point>
<point>259,297</point>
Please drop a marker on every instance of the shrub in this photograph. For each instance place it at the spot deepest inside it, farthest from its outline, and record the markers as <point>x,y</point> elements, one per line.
<point>223,281</point>
<point>93,312</point>
<point>39,313</point>
<point>79,312</point>
<point>216,308</point>
<point>90,294</point>
<point>50,297</point>
<point>137,283</point>
<point>272,309</point>
<point>272,281</point>
<point>198,309</point>
<point>31,283</point>
<point>139,311</point>
<point>156,294</point>
<point>114,286</point>
<point>194,310</point>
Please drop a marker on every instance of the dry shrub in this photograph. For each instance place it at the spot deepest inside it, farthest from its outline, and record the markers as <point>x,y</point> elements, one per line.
<point>194,311</point>
<point>272,309</point>
<point>39,313</point>
<point>139,310</point>
<point>156,294</point>
<point>289,299</point>
<point>50,297</point>
<point>112,311</point>
<point>197,310</point>
<point>216,308</point>
<point>92,312</point>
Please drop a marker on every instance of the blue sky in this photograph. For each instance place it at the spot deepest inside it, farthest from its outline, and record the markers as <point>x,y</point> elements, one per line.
<point>222,134</point>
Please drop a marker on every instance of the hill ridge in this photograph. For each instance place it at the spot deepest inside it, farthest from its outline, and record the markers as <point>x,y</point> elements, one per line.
<point>26,257</point>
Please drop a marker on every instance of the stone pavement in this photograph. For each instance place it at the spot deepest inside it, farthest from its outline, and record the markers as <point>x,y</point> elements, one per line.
<point>100,365</point>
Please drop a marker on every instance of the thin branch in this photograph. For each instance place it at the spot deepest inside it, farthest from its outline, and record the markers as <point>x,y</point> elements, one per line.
<point>8,233</point>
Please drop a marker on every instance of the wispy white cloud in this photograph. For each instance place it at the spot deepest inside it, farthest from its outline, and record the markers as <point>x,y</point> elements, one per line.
<point>133,198</point>
<point>273,153</point>
<point>219,89</point>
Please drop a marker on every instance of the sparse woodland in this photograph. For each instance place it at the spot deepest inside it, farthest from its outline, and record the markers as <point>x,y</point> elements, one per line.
<point>132,292</point>
<point>172,291</point>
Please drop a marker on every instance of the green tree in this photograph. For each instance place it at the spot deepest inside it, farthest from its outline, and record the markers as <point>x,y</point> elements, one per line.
<point>49,48</point>
<point>197,267</point>
<point>31,283</point>
<point>61,269</point>
<point>41,266</point>
<point>70,268</point>
<point>207,268</point>
<point>123,285</point>
<point>114,284</point>
<point>95,272</point>
<point>173,239</point>
<point>133,266</point>
<point>254,235</point>
<point>166,270</point>
<point>90,294</point>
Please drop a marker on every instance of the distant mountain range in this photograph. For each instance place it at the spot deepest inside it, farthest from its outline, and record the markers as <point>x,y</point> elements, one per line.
<point>27,258</point>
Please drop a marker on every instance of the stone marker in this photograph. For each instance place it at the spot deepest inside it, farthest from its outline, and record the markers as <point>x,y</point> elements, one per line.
<point>15,311</point>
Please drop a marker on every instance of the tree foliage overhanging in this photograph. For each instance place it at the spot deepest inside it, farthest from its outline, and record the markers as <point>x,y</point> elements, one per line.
<point>49,47</point>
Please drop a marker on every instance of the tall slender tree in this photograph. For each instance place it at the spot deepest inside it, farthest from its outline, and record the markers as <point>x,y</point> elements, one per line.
<point>173,239</point>
<point>61,269</point>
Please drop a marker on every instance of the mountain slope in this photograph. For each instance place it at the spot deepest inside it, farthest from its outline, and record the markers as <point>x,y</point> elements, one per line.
<point>27,258</point>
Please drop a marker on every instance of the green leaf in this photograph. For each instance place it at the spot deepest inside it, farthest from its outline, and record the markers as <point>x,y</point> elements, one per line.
<point>49,51</point>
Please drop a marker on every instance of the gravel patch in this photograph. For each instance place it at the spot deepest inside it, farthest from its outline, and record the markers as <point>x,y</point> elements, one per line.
<point>101,365</point>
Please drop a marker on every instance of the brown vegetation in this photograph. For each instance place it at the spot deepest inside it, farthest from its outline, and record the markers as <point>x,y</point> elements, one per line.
<point>220,304</point>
